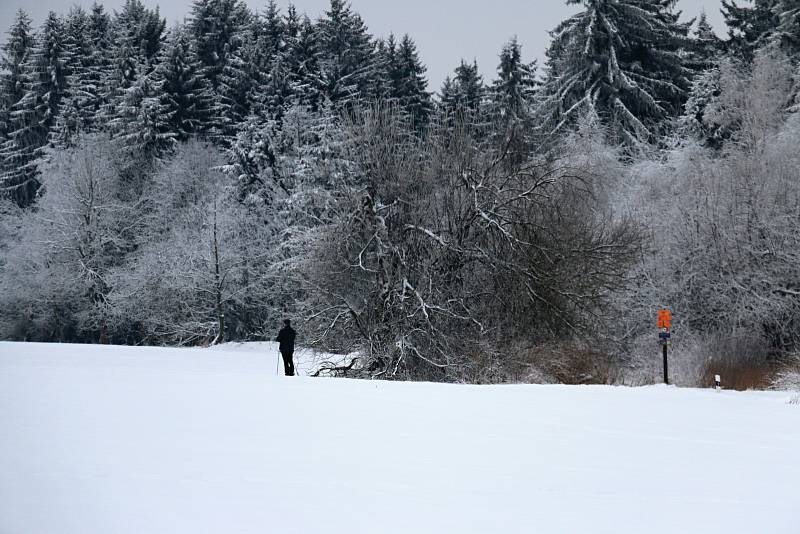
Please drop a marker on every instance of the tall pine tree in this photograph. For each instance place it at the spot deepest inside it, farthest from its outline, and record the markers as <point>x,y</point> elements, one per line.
<point>409,83</point>
<point>749,27</point>
<point>622,60</point>
<point>346,54</point>
<point>512,99</point>
<point>15,54</point>
<point>45,84</point>
<point>787,34</point>
<point>514,90</point>
<point>138,36</point>
<point>218,27</point>
<point>73,118</point>
<point>142,125</point>
<point>185,99</point>
<point>305,71</point>
<point>464,93</point>
<point>706,46</point>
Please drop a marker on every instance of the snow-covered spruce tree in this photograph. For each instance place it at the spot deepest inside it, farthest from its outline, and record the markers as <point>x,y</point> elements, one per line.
<point>273,31</point>
<point>185,99</point>
<point>749,27</point>
<point>15,53</point>
<point>512,93</point>
<point>622,60</point>
<point>706,47</point>
<point>699,120</point>
<point>408,82</point>
<point>465,92</point>
<point>72,118</point>
<point>89,47</point>
<point>292,22</point>
<point>143,124</point>
<point>238,90</point>
<point>787,34</point>
<point>346,54</point>
<point>511,99</point>
<point>138,35</point>
<point>305,72</point>
<point>276,92</point>
<point>44,80</point>
<point>253,158</point>
<point>217,27</point>
<point>385,57</point>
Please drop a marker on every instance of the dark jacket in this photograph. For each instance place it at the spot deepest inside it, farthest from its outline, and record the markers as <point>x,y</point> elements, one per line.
<point>286,339</point>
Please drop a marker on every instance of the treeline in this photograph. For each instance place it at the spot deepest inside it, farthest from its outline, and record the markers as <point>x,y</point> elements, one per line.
<point>198,183</point>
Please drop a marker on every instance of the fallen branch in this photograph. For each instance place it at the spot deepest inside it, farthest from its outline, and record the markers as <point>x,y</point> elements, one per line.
<point>330,367</point>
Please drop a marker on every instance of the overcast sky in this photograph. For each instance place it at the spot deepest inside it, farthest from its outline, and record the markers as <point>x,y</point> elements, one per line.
<point>445,30</point>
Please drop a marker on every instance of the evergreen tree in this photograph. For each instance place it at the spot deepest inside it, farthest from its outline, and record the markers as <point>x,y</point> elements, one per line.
<point>292,24</point>
<point>15,56</point>
<point>706,46</point>
<point>227,41</point>
<point>143,123</point>
<point>622,60</point>
<point>384,63</point>
<point>15,53</point>
<point>274,30</point>
<point>303,62</point>
<point>513,92</point>
<point>749,27</point>
<point>409,83</point>
<point>697,120</point>
<point>218,27</point>
<point>270,84</point>
<point>276,93</point>
<point>98,65</point>
<point>141,28</point>
<point>347,54</point>
<point>512,98</point>
<point>787,33</point>
<point>185,98</point>
<point>465,92</point>
<point>138,36</point>
<point>73,118</point>
<point>238,90</point>
<point>45,85</point>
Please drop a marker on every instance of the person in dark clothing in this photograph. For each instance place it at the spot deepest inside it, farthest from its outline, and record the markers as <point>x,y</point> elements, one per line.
<point>286,339</point>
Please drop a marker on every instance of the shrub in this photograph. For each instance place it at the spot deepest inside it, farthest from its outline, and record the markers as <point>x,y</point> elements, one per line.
<point>742,360</point>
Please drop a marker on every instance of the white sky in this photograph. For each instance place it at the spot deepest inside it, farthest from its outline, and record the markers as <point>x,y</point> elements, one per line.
<point>445,30</point>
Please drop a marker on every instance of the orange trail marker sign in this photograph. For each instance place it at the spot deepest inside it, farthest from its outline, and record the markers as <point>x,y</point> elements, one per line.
<point>664,319</point>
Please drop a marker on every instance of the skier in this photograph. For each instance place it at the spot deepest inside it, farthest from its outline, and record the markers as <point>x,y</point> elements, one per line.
<point>286,339</point>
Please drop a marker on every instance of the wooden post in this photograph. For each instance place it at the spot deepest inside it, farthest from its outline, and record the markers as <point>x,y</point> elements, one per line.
<point>666,369</point>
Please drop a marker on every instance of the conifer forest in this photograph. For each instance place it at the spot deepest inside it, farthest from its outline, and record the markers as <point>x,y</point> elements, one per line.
<point>197,183</point>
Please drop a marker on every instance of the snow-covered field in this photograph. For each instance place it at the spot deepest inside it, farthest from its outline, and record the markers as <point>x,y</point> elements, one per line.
<point>98,439</point>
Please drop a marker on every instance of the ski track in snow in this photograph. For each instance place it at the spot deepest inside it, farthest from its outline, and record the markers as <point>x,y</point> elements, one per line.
<point>101,439</point>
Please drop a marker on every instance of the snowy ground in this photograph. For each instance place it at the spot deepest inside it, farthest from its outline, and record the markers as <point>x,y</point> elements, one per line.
<point>103,440</point>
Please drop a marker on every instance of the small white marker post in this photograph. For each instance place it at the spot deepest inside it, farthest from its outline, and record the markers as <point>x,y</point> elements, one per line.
<point>717,382</point>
